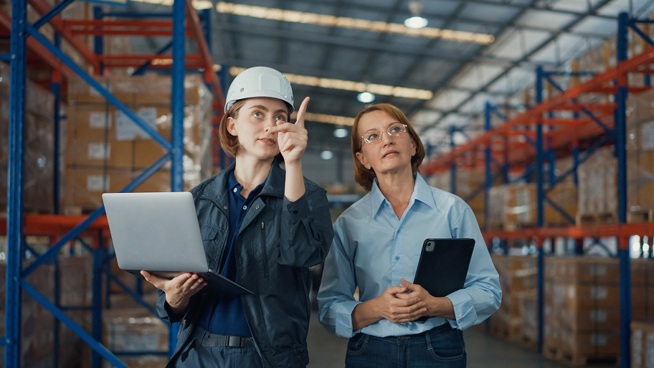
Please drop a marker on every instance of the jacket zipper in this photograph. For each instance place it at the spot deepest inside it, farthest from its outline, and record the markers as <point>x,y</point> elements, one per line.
<point>222,254</point>
<point>263,250</point>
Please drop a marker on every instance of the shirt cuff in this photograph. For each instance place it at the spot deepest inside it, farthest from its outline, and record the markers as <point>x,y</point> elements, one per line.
<point>464,313</point>
<point>343,321</point>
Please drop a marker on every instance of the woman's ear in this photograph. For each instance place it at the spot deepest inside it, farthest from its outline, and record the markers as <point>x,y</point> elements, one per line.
<point>362,160</point>
<point>231,126</point>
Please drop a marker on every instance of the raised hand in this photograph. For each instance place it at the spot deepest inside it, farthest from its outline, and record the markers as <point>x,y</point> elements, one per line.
<point>292,138</point>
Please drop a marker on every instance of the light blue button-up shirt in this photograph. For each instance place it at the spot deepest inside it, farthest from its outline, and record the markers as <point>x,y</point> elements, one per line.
<point>373,250</point>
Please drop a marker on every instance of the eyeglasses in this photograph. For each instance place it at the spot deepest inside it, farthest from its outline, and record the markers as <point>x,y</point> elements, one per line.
<point>375,136</point>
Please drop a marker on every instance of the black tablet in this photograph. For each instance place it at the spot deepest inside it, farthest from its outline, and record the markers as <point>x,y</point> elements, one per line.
<point>443,265</point>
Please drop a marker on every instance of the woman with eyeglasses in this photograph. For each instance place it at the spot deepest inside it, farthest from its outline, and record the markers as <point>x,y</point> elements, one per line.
<point>377,243</point>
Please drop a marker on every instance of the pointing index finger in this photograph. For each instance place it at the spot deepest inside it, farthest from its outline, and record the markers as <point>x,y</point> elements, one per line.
<point>299,121</point>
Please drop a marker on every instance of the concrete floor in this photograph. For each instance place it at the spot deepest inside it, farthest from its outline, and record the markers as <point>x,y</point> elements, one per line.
<point>328,351</point>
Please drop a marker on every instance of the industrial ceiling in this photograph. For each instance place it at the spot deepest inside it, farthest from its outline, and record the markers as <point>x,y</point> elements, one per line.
<point>471,52</point>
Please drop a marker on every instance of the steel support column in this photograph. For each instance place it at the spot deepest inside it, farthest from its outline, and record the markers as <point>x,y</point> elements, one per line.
<point>15,183</point>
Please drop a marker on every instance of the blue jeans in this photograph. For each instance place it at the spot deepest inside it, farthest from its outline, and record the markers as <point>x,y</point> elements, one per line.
<point>442,347</point>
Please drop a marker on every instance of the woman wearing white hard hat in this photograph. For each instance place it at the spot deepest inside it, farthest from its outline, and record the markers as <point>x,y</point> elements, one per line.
<point>263,227</point>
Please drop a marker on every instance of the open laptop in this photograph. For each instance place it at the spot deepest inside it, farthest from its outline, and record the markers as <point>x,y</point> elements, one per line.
<point>443,265</point>
<point>159,233</point>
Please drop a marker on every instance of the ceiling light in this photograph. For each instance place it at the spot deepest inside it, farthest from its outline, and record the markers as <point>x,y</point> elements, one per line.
<point>416,22</point>
<point>326,155</point>
<point>366,97</point>
<point>340,132</point>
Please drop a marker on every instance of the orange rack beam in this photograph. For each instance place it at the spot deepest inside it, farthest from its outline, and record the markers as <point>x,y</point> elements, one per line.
<point>55,225</point>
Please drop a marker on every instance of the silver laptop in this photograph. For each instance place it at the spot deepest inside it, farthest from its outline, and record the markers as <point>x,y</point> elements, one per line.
<point>159,232</point>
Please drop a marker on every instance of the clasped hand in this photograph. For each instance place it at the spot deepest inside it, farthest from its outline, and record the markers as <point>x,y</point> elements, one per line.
<point>404,303</point>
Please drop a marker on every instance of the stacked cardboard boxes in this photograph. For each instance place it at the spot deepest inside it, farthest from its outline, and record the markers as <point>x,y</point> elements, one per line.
<point>518,280</point>
<point>582,307</point>
<point>105,149</point>
<point>642,344</point>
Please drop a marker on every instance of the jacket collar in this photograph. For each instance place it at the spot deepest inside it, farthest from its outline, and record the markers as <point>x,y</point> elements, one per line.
<point>273,186</point>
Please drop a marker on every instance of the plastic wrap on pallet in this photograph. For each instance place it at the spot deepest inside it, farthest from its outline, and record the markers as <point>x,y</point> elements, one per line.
<point>134,330</point>
<point>37,325</point>
<point>598,188</point>
<point>39,155</point>
<point>514,206</point>
<point>640,157</point>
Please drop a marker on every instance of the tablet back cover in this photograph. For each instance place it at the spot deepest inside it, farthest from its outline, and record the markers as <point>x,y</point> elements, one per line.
<point>443,265</point>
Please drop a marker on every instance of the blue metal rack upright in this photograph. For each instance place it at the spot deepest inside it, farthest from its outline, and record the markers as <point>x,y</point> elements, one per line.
<point>21,32</point>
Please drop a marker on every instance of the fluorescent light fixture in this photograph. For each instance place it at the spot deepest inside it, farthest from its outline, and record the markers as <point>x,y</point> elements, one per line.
<point>333,21</point>
<point>197,4</point>
<point>345,85</point>
<point>416,22</point>
<point>351,23</point>
<point>329,119</point>
<point>365,97</point>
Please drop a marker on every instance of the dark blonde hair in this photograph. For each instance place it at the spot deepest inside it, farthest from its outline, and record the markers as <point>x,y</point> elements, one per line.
<point>365,176</point>
<point>228,142</point>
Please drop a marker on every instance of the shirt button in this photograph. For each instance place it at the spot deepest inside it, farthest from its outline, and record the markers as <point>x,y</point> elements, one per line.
<point>235,190</point>
<point>256,207</point>
<point>245,207</point>
<point>397,258</point>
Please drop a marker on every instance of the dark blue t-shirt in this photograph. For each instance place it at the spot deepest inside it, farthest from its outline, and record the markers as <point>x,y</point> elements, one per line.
<point>225,316</point>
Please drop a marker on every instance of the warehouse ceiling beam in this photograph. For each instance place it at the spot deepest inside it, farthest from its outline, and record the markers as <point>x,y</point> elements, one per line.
<point>580,17</point>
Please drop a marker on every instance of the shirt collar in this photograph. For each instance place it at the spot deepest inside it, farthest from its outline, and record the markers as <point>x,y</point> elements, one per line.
<point>421,193</point>
<point>232,184</point>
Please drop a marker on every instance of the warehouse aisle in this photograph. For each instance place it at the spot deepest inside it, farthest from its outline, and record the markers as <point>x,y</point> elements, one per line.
<point>328,351</point>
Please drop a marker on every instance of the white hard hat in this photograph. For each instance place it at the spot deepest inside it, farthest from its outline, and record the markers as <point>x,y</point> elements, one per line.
<point>259,81</point>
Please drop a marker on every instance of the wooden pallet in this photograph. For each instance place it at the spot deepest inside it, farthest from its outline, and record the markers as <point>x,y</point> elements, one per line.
<point>597,219</point>
<point>504,331</point>
<point>640,216</point>
<point>571,359</point>
<point>526,341</point>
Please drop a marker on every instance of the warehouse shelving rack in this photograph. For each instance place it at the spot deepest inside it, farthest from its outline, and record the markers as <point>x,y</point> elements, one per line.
<point>599,123</point>
<point>64,229</point>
